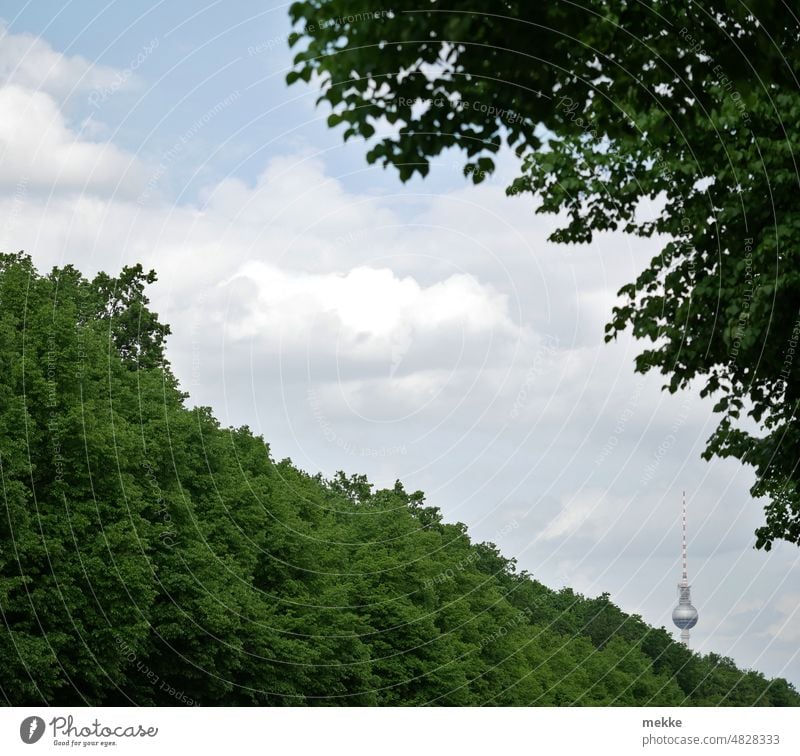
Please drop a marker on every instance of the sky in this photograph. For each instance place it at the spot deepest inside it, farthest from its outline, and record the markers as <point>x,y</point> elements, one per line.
<point>424,331</point>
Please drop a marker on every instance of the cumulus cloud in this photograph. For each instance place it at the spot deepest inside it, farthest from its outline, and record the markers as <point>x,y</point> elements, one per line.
<point>367,309</point>
<point>39,150</point>
<point>30,62</point>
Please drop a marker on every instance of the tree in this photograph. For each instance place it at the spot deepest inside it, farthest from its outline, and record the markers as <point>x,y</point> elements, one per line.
<point>610,104</point>
<point>121,303</point>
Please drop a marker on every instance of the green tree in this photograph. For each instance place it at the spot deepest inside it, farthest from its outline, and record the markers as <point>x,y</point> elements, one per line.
<point>614,107</point>
<point>120,303</point>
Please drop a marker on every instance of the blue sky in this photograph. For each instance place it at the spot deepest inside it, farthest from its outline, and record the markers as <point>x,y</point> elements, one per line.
<point>424,331</point>
<point>202,57</point>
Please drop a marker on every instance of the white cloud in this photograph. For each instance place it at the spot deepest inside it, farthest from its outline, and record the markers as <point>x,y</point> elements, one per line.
<point>38,149</point>
<point>787,628</point>
<point>571,519</point>
<point>365,307</point>
<point>30,62</point>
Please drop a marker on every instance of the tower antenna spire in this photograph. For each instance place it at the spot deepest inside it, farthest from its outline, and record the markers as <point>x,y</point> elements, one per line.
<point>685,575</point>
<point>684,615</point>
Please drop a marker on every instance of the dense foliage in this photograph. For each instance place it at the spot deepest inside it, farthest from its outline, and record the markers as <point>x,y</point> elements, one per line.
<point>671,117</point>
<point>148,555</point>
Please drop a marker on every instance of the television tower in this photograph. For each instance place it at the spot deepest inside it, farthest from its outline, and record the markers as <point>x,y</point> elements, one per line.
<point>684,615</point>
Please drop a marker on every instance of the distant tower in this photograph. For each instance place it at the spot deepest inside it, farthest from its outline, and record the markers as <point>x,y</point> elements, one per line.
<point>684,615</point>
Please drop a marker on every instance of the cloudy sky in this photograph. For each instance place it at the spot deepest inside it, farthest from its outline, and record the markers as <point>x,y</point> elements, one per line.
<point>425,331</point>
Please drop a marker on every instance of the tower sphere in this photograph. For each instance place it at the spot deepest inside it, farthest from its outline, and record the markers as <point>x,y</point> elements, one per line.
<point>684,616</point>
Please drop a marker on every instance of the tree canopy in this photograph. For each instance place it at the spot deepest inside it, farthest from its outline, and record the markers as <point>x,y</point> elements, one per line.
<point>674,119</point>
<point>150,556</point>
